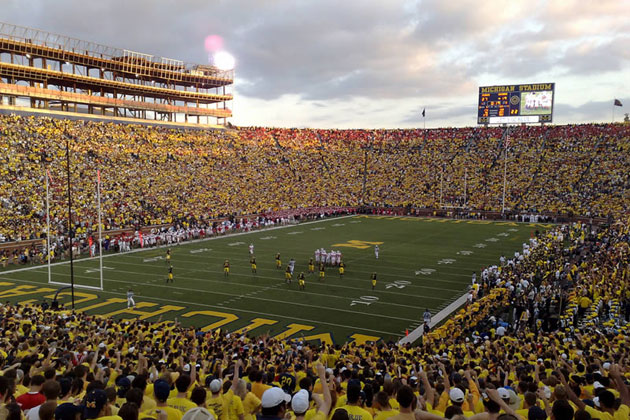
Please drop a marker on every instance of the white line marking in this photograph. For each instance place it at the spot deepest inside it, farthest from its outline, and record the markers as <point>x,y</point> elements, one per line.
<point>276,301</point>
<point>133,251</point>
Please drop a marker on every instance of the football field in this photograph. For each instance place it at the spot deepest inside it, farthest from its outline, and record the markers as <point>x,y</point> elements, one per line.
<point>423,263</point>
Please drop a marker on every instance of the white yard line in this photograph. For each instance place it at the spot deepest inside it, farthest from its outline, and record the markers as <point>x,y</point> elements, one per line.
<point>310,280</point>
<point>326,284</point>
<point>257,313</point>
<point>255,298</point>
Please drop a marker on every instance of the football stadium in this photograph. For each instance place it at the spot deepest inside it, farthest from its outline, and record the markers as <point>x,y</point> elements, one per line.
<point>160,261</point>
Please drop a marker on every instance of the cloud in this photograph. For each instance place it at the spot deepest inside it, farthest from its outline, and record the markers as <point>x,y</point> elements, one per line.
<point>591,111</point>
<point>441,113</point>
<point>330,61</point>
<point>591,58</point>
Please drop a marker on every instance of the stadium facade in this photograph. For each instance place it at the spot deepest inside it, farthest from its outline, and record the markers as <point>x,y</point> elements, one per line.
<point>54,73</point>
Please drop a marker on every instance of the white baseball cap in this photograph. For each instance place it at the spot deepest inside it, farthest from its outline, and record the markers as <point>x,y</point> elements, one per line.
<point>300,402</point>
<point>503,393</point>
<point>457,395</point>
<point>198,413</point>
<point>273,397</point>
<point>215,385</point>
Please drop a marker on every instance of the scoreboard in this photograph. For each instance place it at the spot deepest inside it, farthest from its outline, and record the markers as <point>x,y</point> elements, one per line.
<point>515,104</point>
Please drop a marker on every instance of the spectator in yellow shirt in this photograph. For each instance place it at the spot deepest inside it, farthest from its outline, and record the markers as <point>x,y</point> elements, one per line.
<point>274,404</point>
<point>161,391</point>
<point>181,401</point>
<point>97,406</point>
<point>406,399</point>
<point>353,403</point>
<point>382,409</point>
<point>258,388</point>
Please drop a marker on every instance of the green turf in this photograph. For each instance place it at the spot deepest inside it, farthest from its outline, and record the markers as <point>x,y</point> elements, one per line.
<point>452,249</point>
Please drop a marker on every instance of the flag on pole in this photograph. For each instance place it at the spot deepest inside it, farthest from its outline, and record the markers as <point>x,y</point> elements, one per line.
<point>424,113</point>
<point>49,177</point>
<point>618,103</point>
<point>98,175</point>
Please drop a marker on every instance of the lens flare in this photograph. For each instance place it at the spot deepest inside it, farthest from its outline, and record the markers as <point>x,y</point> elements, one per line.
<point>223,60</point>
<point>213,43</point>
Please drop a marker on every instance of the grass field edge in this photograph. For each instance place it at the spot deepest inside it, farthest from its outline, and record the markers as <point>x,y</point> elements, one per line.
<point>137,250</point>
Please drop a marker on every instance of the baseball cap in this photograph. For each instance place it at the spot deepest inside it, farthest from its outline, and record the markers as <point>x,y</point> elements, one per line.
<point>536,413</point>
<point>198,413</point>
<point>273,397</point>
<point>123,385</point>
<point>94,403</point>
<point>67,411</point>
<point>457,395</point>
<point>161,389</point>
<point>597,384</point>
<point>503,393</point>
<point>515,401</point>
<point>215,385</point>
<point>300,402</point>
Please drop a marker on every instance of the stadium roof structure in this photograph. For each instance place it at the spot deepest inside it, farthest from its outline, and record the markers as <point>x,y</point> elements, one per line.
<point>43,70</point>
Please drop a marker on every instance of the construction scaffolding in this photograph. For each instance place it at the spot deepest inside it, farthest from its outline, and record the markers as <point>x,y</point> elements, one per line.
<point>44,70</point>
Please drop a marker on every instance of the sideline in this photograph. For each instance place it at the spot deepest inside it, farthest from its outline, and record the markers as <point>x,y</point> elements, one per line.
<point>439,317</point>
<point>133,251</point>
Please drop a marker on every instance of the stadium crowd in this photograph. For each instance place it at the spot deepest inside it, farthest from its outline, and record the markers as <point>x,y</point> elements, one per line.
<point>546,336</point>
<point>153,176</point>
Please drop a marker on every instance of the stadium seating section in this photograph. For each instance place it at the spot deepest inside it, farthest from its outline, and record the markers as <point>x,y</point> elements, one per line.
<point>155,175</point>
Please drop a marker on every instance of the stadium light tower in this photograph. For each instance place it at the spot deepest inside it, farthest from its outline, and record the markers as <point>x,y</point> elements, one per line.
<point>70,231</point>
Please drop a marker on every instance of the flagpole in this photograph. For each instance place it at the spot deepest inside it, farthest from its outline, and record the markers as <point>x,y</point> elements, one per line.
<point>465,184</point>
<point>424,128</point>
<point>48,228</point>
<point>100,239</point>
<point>504,179</point>
<point>441,179</point>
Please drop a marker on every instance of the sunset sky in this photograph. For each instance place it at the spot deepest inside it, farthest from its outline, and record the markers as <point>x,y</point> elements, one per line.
<point>368,63</point>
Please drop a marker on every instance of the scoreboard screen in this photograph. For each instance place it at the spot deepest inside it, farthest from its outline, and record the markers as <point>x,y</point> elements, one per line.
<point>515,104</point>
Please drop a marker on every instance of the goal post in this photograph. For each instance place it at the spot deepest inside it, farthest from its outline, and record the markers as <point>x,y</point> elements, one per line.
<point>84,267</point>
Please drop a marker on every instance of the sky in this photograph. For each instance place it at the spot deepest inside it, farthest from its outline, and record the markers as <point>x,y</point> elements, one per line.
<point>369,63</point>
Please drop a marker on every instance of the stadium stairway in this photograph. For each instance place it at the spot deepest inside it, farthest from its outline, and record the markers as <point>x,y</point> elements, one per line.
<point>586,170</point>
<point>541,161</point>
